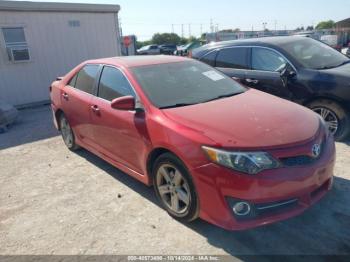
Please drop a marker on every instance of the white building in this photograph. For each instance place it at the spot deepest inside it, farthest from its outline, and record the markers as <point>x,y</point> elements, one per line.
<point>40,41</point>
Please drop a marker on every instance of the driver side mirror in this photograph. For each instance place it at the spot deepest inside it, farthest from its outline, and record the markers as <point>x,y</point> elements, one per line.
<point>287,71</point>
<point>125,103</point>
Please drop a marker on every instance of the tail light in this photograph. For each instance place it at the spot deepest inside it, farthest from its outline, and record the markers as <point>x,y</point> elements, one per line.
<point>190,54</point>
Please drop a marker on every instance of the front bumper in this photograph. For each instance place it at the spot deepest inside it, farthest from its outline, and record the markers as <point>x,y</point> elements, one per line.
<point>217,185</point>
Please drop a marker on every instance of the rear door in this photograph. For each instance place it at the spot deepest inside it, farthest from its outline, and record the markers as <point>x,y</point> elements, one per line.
<point>76,100</point>
<point>234,62</point>
<point>118,134</point>
<point>266,65</point>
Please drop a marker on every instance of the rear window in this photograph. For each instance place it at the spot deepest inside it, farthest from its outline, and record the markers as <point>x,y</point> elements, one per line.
<point>86,78</point>
<point>233,58</point>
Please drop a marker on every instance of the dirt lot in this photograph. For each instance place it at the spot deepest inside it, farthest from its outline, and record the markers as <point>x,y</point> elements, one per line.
<point>53,201</point>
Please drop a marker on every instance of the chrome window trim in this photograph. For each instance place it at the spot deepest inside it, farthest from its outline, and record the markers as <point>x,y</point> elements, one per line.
<point>247,46</point>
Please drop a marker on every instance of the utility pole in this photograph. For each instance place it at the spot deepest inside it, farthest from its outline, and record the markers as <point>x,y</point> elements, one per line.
<point>182,30</point>
<point>189,30</point>
<point>211,26</point>
<point>172,28</point>
<point>201,29</point>
<point>275,26</point>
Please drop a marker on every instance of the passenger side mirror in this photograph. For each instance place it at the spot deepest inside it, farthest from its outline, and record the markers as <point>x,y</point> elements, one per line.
<point>125,103</point>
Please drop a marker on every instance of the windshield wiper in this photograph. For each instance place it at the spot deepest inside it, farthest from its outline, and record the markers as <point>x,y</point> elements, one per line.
<point>177,105</point>
<point>222,96</point>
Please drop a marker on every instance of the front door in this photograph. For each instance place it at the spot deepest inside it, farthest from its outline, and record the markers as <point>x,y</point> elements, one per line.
<point>265,73</point>
<point>118,134</point>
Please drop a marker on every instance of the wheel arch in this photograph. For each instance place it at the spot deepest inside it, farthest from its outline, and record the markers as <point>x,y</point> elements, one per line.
<point>152,157</point>
<point>329,98</point>
<point>58,114</point>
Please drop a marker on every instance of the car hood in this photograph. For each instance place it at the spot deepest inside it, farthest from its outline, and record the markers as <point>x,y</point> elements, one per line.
<point>250,120</point>
<point>342,71</point>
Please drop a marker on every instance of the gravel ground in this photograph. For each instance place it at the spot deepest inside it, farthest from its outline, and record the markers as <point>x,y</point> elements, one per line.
<point>53,201</point>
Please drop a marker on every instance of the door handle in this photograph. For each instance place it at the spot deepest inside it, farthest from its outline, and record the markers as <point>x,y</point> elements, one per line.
<point>252,81</point>
<point>236,78</point>
<point>65,96</point>
<point>95,109</point>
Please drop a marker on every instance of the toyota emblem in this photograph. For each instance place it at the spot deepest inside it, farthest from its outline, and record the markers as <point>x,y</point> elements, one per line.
<point>316,150</point>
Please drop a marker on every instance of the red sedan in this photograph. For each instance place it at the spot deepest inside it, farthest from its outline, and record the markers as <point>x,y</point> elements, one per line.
<point>235,157</point>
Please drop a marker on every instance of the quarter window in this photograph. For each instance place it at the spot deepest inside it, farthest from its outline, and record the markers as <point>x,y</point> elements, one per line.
<point>113,84</point>
<point>86,78</point>
<point>267,60</point>
<point>233,58</point>
<point>16,44</point>
<point>73,81</point>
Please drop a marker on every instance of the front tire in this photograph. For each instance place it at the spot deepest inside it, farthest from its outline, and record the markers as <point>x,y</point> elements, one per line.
<point>67,134</point>
<point>174,188</point>
<point>336,118</point>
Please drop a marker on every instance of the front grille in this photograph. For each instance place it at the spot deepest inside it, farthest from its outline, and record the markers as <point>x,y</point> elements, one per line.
<point>301,160</point>
<point>275,207</point>
<point>297,161</point>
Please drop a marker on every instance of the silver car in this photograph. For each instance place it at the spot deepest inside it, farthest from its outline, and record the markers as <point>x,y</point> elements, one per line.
<point>149,50</point>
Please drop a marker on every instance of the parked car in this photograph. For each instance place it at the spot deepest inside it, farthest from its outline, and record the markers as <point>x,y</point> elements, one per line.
<point>348,52</point>
<point>149,50</point>
<point>167,49</point>
<point>299,69</point>
<point>236,157</point>
<point>185,49</point>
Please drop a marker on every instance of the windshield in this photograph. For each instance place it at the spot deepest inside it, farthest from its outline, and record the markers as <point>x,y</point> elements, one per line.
<point>145,47</point>
<point>313,54</point>
<point>184,83</point>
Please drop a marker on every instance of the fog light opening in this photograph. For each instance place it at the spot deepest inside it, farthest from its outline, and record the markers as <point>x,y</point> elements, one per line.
<point>241,209</point>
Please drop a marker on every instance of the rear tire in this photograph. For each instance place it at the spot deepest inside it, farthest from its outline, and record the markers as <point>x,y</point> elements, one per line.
<point>67,134</point>
<point>335,117</point>
<point>174,188</point>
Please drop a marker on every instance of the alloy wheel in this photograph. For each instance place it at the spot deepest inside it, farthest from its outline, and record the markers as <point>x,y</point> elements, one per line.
<point>173,189</point>
<point>329,117</point>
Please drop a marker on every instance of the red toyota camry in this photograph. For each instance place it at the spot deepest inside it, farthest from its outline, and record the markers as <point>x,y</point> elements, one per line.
<point>235,157</point>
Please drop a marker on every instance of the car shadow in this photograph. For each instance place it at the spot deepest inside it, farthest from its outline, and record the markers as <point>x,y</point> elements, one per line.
<point>32,125</point>
<point>324,229</point>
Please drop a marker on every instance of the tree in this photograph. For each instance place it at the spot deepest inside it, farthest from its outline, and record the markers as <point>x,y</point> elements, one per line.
<point>310,28</point>
<point>325,25</point>
<point>165,38</point>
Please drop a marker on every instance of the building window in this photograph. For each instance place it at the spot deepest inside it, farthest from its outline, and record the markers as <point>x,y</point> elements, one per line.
<point>16,44</point>
<point>74,23</point>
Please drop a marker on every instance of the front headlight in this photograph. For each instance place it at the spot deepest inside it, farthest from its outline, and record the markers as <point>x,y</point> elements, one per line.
<point>246,162</point>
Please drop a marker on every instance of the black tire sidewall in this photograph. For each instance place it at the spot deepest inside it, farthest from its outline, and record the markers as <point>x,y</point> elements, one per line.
<point>343,118</point>
<point>192,212</point>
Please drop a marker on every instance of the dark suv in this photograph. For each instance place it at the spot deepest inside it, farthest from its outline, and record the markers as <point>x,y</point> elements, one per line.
<point>296,68</point>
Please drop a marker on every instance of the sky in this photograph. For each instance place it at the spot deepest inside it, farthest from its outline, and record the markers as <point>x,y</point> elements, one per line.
<point>144,18</point>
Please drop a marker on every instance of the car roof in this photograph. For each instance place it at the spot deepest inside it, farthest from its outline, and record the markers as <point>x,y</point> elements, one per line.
<point>136,61</point>
<point>266,41</point>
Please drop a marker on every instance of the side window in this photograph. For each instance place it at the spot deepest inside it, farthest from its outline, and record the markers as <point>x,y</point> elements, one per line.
<point>267,60</point>
<point>73,81</point>
<point>86,78</point>
<point>233,58</point>
<point>113,84</point>
<point>209,58</point>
